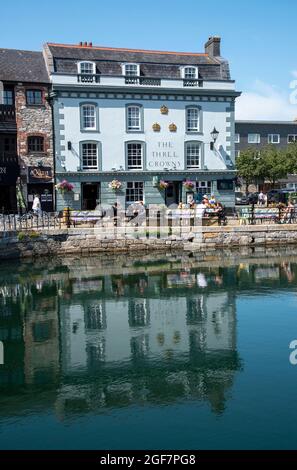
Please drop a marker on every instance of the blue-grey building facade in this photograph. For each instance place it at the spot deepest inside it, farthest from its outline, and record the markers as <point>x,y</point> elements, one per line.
<point>135,119</point>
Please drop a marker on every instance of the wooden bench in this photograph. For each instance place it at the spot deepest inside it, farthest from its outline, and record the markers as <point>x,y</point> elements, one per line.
<point>86,217</point>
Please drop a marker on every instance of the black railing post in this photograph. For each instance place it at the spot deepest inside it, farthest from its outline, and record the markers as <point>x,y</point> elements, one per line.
<point>169,223</point>
<point>158,223</point>
<point>68,217</point>
<point>147,222</point>
<point>253,214</point>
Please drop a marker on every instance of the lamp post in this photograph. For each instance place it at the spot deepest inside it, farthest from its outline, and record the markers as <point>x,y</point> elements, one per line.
<point>214,135</point>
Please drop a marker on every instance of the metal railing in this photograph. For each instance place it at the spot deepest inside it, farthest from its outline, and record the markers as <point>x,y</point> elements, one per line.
<point>88,78</point>
<point>146,81</point>
<point>29,221</point>
<point>253,215</point>
<point>192,82</point>
<point>7,112</point>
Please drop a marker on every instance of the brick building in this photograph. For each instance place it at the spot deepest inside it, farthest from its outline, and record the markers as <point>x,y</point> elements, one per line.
<point>26,139</point>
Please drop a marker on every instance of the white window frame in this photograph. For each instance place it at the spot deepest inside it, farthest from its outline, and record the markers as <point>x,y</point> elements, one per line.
<point>87,128</point>
<point>79,65</point>
<point>237,138</point>
<point>124,69</point>
<point>198,110</point>
<point>187,146</point>
<point>294,136</point>
<point>129,127</point>
<point>134,166</point>
<point>193,67</point>
<point>203,187</point>
<point>254,134</point>
<point>137,197</point>
<point>89,167</point>
<point>270,138</point>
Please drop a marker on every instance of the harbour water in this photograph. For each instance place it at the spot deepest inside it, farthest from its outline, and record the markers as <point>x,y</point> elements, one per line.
<point>172,351</point>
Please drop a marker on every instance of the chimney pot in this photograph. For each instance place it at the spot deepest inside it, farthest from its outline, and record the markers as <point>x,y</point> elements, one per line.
<point>213,46</point>
<point>80,43</point>
<point>85,44</point>
<point>90,44</point>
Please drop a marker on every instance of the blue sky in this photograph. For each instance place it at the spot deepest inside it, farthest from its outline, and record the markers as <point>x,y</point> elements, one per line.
<point>259,37</point>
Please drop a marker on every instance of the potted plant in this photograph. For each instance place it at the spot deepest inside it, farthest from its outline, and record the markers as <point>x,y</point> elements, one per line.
<point>64,186</point>
<point>188,184</point>
<point>163,185</point>
<point>115,185</point>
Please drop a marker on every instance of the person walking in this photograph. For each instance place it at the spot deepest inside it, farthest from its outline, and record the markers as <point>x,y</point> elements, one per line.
<point>36,207</point>
<point>261,199</point>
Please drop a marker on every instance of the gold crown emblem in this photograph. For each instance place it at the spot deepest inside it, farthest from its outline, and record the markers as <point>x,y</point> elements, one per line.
<point>156,127</point>
<point>164,109</point>
<point>172,127</point>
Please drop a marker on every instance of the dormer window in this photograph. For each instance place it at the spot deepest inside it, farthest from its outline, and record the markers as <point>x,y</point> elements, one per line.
<point>190,73</point>
<point>86,68</point>
<point>131,70</point>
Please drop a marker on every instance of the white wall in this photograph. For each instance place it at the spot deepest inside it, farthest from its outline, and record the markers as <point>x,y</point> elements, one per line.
<point>112,131</point>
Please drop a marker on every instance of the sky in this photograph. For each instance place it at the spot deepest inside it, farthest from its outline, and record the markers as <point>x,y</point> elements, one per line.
<point>259,38</point>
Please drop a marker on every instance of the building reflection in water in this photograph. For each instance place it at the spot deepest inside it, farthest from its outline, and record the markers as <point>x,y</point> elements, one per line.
<point>87,340</point>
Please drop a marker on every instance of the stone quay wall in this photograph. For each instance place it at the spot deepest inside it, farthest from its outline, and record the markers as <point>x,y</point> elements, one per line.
<point>85,241</point>
<point>251,235</point>
<point>76,241</point>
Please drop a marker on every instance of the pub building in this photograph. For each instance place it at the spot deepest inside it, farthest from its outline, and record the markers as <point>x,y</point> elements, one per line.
<point>142,117</point>
<point>26,140</point>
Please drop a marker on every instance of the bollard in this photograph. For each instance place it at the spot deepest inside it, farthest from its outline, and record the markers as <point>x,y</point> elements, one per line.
<point>66,216</point>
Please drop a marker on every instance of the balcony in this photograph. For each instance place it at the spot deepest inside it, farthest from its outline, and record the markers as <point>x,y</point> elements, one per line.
<point>122,81</point>
<point>7,113</point>
<point>145,81</point>
<point>88,78</point>
<point>192,82</point>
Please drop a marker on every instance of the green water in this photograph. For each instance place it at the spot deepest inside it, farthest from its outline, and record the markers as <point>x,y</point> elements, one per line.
<point>168,351</point>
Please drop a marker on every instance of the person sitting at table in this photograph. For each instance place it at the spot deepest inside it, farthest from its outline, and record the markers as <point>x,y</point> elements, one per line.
<point>288,213</point>
<point>205,198</point>
<point>212,200</point>
<point>201,208</point>
<point>221,213</point>
<point>205,202</point>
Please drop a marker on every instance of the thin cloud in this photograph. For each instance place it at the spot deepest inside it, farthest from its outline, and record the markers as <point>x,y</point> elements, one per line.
<point>265,102</point>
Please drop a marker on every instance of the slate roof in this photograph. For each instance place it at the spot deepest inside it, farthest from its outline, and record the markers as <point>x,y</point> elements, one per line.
<point>22,66</point>
<point>160,64</point>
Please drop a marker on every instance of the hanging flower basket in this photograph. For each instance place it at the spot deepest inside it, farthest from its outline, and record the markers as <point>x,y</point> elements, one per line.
<point>188,184</point>
<point>115,185</point>
<point>163,185</point>
<point>64,187</point>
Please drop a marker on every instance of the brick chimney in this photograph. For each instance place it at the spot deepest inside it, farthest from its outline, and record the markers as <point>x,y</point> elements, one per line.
<point>213,46</point>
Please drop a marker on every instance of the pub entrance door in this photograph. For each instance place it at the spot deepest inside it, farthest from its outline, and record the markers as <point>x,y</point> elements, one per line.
<point>172,193</point>
<point>90,196</point>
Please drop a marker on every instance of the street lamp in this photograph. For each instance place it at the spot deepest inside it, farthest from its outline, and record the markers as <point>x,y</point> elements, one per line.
<point>214,135</point>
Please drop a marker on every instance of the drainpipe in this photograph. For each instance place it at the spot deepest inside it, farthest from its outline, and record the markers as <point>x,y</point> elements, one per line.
<point>51,102</point>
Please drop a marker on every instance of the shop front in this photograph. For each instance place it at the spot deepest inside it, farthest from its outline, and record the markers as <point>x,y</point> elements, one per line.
<point>9,172</point>
<point>95,189</point>
<point>40,182</point>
